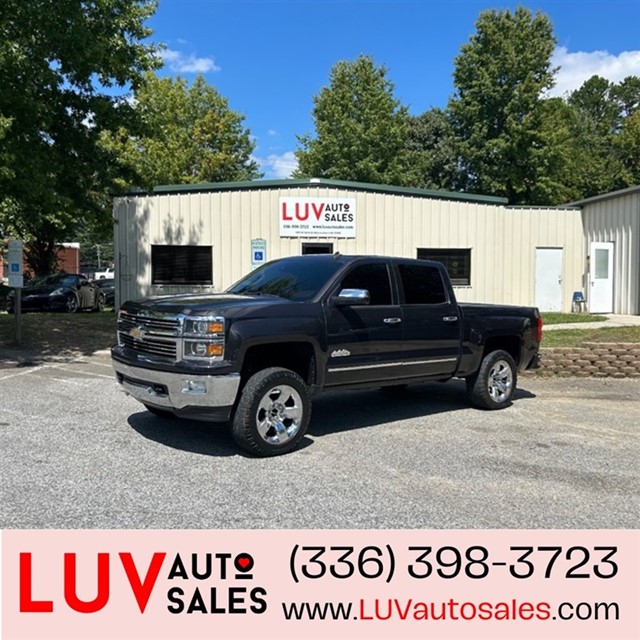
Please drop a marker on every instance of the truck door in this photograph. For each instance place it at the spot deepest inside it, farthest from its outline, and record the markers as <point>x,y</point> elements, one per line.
<point>364,341</point>
<point>431,321</point>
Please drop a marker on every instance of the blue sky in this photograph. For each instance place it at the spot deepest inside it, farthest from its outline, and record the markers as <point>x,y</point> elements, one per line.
<point>270,57</point>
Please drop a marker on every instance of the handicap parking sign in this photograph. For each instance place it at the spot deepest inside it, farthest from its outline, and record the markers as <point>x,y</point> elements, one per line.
<point>258,252</point>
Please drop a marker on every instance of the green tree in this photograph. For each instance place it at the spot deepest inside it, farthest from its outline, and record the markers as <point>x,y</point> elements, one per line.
<point>595,101</point>
<point>361,129</point>
<point>604,134</point>
<point>497,110</point>
<point>190,135</point>
<point>627,144</point>
<point>64,67</point>
<point>627,95</point>
<point>432,161</point>
<point>559,156</point>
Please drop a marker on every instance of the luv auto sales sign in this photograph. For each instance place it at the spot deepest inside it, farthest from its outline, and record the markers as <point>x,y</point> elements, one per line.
<point>317,217</point>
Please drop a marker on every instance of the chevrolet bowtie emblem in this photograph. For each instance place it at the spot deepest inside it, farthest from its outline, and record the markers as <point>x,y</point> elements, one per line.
<point>137,333</point>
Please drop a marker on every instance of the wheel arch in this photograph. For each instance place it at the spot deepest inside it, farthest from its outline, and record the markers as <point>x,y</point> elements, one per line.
<point>509,343</point>
<point>297,356</point>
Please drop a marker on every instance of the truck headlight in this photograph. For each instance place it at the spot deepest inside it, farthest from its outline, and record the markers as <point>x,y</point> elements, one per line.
<point>203,338</point>
<point>204,327</point>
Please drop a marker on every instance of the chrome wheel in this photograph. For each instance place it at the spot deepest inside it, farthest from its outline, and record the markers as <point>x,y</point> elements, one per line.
<point>500,381</point>
<point>279,414</point>
<point>273,411</point>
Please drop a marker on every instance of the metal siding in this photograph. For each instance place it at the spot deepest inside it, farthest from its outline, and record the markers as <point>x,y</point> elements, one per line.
<point>502,240</point>
<point>617,220</point>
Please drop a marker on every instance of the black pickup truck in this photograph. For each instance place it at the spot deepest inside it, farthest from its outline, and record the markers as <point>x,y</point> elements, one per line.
<point>255,354</point>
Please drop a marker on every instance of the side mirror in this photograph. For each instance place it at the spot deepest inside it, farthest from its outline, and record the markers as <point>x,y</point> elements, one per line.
<point>351,298</point>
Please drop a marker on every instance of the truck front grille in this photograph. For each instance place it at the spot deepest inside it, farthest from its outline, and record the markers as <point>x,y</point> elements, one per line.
<point>151,336</point>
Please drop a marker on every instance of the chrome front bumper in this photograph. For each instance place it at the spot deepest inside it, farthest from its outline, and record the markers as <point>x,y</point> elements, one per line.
<point>177,390</point>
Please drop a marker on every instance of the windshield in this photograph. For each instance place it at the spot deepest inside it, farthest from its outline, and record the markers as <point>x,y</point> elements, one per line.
<point>298,279</point>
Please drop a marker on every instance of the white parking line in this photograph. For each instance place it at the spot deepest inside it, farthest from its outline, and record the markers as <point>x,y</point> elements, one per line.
<point>87,373</point>
<point>27,371</point>
<point>59,367</point>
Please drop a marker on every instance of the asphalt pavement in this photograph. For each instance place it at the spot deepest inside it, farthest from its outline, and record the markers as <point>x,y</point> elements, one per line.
<point>77,453</point>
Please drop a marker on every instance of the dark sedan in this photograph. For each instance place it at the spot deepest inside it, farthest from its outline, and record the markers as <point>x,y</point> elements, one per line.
<point>61,292</point>
<point>108,286</point>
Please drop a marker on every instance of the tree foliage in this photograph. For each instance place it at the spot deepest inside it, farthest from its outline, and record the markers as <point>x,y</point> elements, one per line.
<point>502,135</point>
<point>627,144</point>
<point>432,153</point>
<point>361,129</point>
<point>605,137</point>
<point>500,76</point>
<point>189,135</point>
<point>64,66</point>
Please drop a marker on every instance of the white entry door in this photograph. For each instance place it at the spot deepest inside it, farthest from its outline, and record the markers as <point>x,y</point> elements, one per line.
<point>549,279</point>
<point>601,278</point>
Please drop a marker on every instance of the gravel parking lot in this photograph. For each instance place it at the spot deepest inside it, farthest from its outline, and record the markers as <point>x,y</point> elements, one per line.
<point>78,453</point>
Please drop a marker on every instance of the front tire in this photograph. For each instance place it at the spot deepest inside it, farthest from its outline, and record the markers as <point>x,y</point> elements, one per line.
<point>495,383</point>
<point>273,413</point>
<point>71,303</point>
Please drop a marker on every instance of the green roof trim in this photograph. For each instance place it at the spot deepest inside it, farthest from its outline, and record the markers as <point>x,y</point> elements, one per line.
<point>205,187</point>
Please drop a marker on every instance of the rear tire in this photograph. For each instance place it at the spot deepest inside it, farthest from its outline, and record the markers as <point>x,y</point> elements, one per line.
<point>273,413</point>
<point>495,383</point>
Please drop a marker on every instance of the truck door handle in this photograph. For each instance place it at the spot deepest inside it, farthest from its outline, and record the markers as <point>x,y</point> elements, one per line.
<point>450,319</point>
<point>392,320</point>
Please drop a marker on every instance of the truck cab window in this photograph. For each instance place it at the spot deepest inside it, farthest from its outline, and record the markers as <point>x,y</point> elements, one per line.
<point>372,277</point>
<point>422,284</point>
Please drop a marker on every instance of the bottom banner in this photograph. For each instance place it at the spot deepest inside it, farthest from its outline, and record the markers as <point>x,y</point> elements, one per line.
<point>320,584</point>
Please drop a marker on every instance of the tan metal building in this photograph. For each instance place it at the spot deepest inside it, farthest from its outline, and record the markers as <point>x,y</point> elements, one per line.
<point>205,237</point>
<point>611,225</point>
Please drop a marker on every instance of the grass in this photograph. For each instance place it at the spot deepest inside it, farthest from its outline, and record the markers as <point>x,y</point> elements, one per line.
<point>47,334</point>
<point>577,337</point>
<point>552,317</point>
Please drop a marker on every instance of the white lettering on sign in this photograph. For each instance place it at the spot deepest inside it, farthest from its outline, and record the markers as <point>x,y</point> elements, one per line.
<point>317,217</point>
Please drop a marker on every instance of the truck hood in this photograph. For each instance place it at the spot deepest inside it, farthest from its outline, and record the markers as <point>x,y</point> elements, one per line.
<point>223,304</point>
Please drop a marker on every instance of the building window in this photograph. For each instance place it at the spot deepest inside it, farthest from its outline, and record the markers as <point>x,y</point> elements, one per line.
<point>174,264</point>
<point>309,248</point>
<point>456,261</point>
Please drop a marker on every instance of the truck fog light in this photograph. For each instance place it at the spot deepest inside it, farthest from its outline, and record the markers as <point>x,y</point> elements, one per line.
<point>195,387</point>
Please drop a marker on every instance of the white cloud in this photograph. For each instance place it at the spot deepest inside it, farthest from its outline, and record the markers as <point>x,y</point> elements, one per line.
<point>183,63</point>
<point>577,67</point>
<point>279,166</point>
<point>272,132</point>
